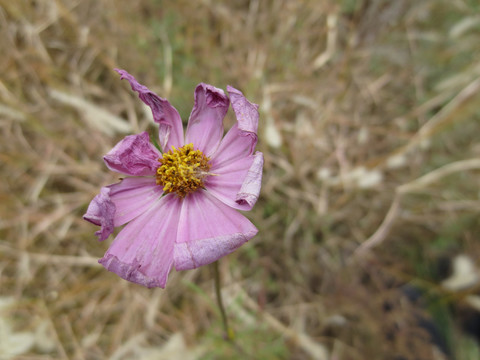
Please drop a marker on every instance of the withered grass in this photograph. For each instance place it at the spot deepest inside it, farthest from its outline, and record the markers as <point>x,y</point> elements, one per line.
<point>369,127</point>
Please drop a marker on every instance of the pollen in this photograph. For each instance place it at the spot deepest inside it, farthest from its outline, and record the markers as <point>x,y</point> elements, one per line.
<point>182,170</point>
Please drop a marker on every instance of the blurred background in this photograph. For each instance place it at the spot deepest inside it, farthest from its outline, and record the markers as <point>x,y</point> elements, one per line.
<point>368,245</point>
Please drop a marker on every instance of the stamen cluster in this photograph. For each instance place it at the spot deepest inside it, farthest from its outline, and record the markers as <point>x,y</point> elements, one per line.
<point>182,170</point>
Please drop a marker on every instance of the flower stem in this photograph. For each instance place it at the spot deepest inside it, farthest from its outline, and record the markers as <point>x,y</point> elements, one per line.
<point>229,335</point>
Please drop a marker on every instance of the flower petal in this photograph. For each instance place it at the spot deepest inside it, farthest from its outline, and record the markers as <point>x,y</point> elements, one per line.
<point>170,126</point>
<point>208,230</point>
<point>237,184</point>
<point>143,251</point>
<point>119,203</point>
<point>205,126</point>
<point>250,190</point>
<point>241,139</point>
<point>245,112</point>
<point>132,197</point>
<point>101,212</point>
<point>233,147</point>
<point>134,155</point>
<point>228,180</point>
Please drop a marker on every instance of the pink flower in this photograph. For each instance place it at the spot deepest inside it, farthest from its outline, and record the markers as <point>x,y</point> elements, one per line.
<point>179,206</point>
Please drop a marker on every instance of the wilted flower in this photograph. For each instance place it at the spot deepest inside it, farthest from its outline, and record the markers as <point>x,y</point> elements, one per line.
<point>179,206</point>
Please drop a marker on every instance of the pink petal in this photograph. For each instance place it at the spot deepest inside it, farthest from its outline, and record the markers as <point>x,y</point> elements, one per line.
<point>169,122</point>
<point>250,190</point>
<point>241,139</point>
<point>119,203</point>
<point>101,212</point>
<point>208,230</point>
<point>228,180</point>
<point>238,174</point>
<point>134,155</point>
<point>233,147</point>
<point>205,126</point>
<point>245,111</point>
<point>132,197</point>
<point>143,251</point>
<point>237,184</point>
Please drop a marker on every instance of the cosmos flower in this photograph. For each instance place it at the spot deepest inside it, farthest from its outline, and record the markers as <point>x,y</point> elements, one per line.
<point>179,205</point>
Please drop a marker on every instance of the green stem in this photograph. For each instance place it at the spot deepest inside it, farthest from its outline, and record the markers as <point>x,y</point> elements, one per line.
<point>228,332</point>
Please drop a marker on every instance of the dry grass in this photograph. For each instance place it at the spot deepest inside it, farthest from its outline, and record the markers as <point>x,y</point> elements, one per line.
<point>369,123</point>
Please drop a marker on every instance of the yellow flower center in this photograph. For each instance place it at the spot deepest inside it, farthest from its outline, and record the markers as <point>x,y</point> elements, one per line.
<point>182,170</point>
